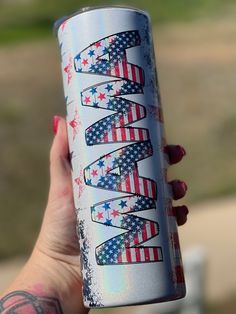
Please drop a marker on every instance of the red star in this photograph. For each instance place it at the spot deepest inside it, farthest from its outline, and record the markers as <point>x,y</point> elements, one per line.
<point>98,44</point>
<point>102,96</point>
<point>94,173</point>
<point>85,61</point>
<point>108,156</point>
<point>115,213</point>
<point>100,216</point>
<point>63,25</point>
<point>112,40</point>
<point>108,169</point>
<point>68,70</point>
<point>78,181</point>
<point>87,99</point>
<point>73,123</point>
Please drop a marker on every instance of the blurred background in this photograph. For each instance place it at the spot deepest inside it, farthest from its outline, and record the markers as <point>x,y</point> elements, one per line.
<point>195,43</point>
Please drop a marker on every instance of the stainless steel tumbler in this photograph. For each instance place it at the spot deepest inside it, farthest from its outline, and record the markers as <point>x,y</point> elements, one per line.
<point>129,243</point>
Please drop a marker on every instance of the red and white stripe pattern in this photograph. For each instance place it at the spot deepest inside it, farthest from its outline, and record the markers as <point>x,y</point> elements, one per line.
<point>125,135</point>
<point>132,183</point>
<point>108,57</point>
<point>125,159</point>
<point>140,255</point>
<point>128,71</point>
<point>115,127</point>
<point>125,248</point>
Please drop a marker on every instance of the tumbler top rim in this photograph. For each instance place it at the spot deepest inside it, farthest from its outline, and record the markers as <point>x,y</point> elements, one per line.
<point>61,20</point>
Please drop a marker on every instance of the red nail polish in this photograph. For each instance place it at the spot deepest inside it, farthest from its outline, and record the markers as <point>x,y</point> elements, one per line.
<point>55,124</point>
<point>184,209</point>
<point>184,185</point>
<point>182,150</point>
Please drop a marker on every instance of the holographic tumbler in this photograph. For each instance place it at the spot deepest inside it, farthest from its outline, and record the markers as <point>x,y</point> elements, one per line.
<point>129,243</point>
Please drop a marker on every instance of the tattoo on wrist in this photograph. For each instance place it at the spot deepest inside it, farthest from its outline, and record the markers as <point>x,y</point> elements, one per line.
<point>18,302</point>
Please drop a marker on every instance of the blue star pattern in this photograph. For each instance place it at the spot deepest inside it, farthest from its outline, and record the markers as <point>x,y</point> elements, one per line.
<point>125,248</point>
<point>115,127</point>
<point>125,159</point>
<point>93,58</point>
<point>118,170</point>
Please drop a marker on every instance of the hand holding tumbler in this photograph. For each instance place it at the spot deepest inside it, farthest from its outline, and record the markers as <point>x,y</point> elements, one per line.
<point>130,251</point>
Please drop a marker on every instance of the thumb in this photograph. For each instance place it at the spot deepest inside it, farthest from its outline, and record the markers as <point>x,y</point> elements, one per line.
<point>60,170</point>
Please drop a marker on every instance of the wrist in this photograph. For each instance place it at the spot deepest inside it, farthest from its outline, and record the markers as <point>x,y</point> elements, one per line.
<point>46,277</point>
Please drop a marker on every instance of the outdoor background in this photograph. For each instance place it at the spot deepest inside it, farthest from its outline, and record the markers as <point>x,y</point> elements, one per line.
<point>195,43</point>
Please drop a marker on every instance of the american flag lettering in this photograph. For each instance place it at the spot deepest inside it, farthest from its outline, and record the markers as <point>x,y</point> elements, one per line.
<point>108,57</point>
<point>125,161</point>
<point>126,247</point>
<point>114,128</point>
<point>118,170</point>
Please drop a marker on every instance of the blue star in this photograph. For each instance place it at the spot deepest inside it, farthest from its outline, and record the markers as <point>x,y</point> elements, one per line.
<point>115,162</point>
<point>79,70</point>
<point>105,51</point>
<point>89,182</point>
<point>123,204</point>
<point>106,206</point>
<point>92,68</point>
<point>78,57</point>
<point>109,87</point>
<point>108,222</point>
<point>93,90</point>
<point>100,163</point>
<point>102,180</point>
<point>95,104</point>
<point>93,209</point>
<point>110,103</point>
<point>91,53</point>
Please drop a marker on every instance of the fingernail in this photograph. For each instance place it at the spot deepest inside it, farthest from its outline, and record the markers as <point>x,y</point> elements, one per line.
<point>184,209</point>
<point>182,150</point>
<point>55,123</point>
<point>184,185</point>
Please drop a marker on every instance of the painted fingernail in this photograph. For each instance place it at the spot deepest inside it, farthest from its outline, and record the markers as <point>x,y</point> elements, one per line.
<point>184,209</point>
<point>181,214</point>
<point>55,123</point>
<point>184,186</point>
<point>183,151</point>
